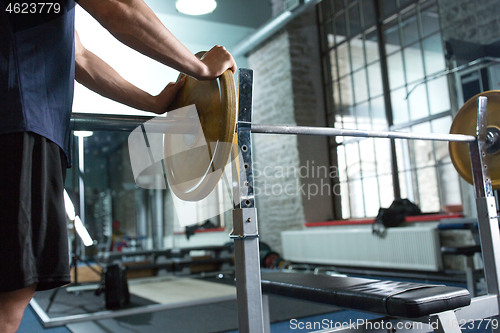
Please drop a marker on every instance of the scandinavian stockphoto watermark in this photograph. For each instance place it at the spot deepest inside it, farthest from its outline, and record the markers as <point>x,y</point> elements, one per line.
<point>172,153</point>
<point>307,180</point>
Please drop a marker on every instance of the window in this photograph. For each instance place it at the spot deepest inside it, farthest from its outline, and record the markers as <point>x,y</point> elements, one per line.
<point>373,171</point>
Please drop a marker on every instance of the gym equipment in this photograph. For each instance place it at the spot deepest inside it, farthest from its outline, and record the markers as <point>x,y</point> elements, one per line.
<point>252,304</point>
<point>115,287</point>
<point>465,122</point>
<point>174,260</point>
<point>271,259</point>
<point>195,162</point>
<point>470,273</point>
<point>398,299</point>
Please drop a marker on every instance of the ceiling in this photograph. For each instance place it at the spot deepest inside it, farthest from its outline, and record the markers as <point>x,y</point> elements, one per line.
<point>248,13</point>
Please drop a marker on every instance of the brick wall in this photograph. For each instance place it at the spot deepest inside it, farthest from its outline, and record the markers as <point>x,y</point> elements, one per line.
<point>473,21</point>
<point>309,110</point>
<point>288,90</point>
<point>273,104</point>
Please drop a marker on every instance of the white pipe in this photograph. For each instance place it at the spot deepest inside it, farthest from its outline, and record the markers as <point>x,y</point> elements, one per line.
<point>329,131</point>
<point>270,28</point>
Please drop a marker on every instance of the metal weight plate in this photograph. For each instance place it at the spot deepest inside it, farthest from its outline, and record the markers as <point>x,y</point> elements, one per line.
<point>465,123</point>
<point>195,162</point>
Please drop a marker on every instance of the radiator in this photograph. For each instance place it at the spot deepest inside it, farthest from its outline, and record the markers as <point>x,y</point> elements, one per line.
<point>410,247</point>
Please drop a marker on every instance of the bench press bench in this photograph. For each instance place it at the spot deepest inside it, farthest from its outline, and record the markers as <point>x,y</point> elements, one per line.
<point>388,298</point>
<point>437,303</point>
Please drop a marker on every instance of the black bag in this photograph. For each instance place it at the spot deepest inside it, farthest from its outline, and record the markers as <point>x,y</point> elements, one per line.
<point>116,287</point>
<point>394,215</point>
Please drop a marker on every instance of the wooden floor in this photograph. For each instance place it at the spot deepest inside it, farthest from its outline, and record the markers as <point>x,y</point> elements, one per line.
<point>179,290</point>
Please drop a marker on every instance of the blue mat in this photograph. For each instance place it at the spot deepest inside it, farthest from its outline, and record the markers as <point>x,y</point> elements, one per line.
<point>31,324</point>
<point>328,321</point>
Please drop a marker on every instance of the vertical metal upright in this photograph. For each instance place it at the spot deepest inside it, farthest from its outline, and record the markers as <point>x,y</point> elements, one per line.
<point>78,243</point>
<point>487,211</point>
<point>245,230</point>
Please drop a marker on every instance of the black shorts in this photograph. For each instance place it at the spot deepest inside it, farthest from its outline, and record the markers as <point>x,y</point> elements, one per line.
<point>33,222</point>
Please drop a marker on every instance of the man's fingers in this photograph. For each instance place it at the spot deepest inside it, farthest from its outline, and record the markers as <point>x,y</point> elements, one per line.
<point>218,60</point>
<point>175,86</point>
<point>234,68</point>
<point>179,83</point>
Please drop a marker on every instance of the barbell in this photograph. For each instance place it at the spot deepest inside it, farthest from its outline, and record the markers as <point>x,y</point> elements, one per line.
<point>194,163</point>
<point>193,175</point>
<point>465,122</point>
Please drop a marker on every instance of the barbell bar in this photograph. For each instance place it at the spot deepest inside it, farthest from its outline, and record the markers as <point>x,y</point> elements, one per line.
<point>122,123</point>
<point>100,122</point>
<point>216,107</point>
<point>328,131</point>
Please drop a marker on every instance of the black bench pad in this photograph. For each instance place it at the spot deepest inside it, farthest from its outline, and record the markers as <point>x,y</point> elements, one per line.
<point>399,299</point>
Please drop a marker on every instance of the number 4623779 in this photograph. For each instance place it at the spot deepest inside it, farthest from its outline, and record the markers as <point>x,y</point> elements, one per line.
<point>33,8</point>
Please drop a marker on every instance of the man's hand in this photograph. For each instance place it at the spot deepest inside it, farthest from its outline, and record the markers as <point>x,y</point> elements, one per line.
<point>217,61</point>
<point>163,100</point>
<point>134,24</point>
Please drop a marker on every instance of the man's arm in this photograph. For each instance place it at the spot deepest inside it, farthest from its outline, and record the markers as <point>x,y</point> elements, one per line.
<point>134,24</point>
<point>98,76</point>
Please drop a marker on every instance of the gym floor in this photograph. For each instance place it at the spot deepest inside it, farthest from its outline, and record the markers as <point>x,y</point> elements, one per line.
<point>200,316</point>
<point>31,324</point>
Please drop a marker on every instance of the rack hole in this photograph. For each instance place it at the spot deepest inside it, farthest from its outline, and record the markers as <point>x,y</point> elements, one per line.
<point>244,148</point>
<point>247,202</point>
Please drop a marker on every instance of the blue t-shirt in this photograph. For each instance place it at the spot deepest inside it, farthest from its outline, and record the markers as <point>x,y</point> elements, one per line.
<point>37,69</point>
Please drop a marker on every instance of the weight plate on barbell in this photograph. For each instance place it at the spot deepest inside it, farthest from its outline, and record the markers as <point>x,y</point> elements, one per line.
<point>465,122</point>
<point>195,162</point>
